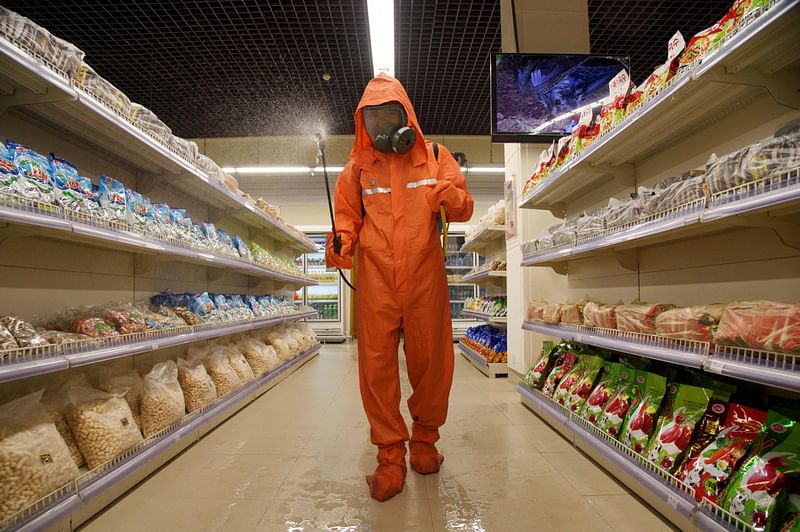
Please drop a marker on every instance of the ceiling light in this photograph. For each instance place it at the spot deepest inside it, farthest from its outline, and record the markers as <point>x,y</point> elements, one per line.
<point>326,76</point>
<point>381,35</point>
<point>278,169</point>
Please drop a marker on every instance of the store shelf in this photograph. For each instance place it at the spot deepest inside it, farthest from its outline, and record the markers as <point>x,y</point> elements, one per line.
<point>310,301</point>
<point>764,367</point>
<point>780,192</point>
<point>683,352</point>
<point>749,59</point>
<point>448,267</point>
<point>484,237</point>
<point>23,363</point>
<point>494,320</point>
<point>657,487</point>
<point>60,104</point>
<point>491,370</point>
<point>91,492</point>
<point>485,275</point>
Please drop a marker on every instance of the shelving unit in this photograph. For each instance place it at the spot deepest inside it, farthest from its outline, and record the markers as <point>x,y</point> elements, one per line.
<point>488,318</point>
<point>91,492</point>
<point>486,276</point>
<point>484,238</point>
<point>458,263</point>
<point>657,487</point>
<point>740,244</point>
<point>491,370</point>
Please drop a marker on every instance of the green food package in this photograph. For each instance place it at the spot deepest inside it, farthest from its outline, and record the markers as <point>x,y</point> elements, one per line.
<point>641,418</point>
<point>675,426</point>
<point>790,516</point>
<point>538,373</point>
<point>581,391</point>
<point>570,380</point>
<point>618,406</point>
<point>612,375</point>
<point>761,483</point>
<point>562,366</point>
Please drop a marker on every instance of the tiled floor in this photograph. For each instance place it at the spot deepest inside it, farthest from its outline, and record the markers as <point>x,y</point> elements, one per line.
<point>296,459</point>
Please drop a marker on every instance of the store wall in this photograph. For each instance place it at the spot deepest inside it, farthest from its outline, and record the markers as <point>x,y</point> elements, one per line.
<point>548,26</point>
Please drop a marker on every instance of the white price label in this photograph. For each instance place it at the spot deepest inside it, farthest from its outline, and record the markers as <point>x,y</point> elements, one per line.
<point>620,84</point>
<point>673,501</point>
<point>715,366</point>
<point>154,347</point>
<point>675,46</point>
<point>586,117</point>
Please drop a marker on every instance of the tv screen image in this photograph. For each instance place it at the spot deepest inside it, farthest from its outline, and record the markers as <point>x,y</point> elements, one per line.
<point>539,97</point>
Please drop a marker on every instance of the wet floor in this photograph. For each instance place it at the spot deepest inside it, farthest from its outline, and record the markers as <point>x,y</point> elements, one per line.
<point>295,459</point>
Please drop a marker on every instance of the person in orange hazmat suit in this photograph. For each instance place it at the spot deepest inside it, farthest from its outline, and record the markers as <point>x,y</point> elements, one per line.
<point>387,201</point>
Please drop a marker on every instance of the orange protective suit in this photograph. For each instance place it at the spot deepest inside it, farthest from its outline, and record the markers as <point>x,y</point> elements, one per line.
<point>386,208</point>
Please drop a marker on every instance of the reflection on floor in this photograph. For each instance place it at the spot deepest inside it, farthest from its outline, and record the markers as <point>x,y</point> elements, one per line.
<point>295,460</point>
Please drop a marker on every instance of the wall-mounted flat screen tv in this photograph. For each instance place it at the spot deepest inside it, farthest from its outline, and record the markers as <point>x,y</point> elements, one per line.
<point>539,97</point>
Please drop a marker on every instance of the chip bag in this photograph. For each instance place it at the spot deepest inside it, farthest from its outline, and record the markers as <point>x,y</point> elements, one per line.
<point>66,185</point>
<point>759,484</point>
<point>8,171</point>
<point>612,376</point>
<point>535,376</point>
<point>569,381</point>
<point>583,387</point>
<point>113,198</point>
<point>790,516</point>
<point>705,431</point>
<point>641,419</point>
<point>708,471</point>
<point>562,366</point>
<point>618,406</point>
<point>137,210</point>
<point>673,434</point>
<point>34,173</point>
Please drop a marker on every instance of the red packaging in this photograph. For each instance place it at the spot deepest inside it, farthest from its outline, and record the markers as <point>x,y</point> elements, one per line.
<point>640,318</point>
<point>708,472</point>
<point>690,323</point>
<point>705,432</point>
<point>599,315</point>
<point>764,325</point>
<point>563,365</point>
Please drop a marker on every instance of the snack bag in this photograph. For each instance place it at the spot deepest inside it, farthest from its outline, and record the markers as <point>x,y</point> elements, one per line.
<point>641,419</point>
<point>675,427</point>
<point>34,173</point>
<point>600,315</point>
<point>708,471</point>
<point>761,482</point>
<point>8,172</point>
<point>612,376</point>
<point>706,431</point>
<point>765,325</point>
<point>790,516</point>
<point>223,307</point>
<point>165,220</point>
<point>564,363</point>
<point>640,317</point>
<point>618,406</point>
<point>203,306</point>
<point>690,323</point>
<point>552,313</point>
<point>583,387</point>
<point>211,236</point>
<point>242,248</point>
<point>137,210</point>
<point>113,198</point>
<point>66,186</point>
<point>569,381</point>
<point>226,242</point>
<point>706,41</point>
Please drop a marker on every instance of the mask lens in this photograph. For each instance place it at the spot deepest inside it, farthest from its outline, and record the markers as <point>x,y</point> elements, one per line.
<point>383,120</point>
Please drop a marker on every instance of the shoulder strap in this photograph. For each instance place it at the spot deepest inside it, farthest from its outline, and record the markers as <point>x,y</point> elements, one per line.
<point>436,150</point>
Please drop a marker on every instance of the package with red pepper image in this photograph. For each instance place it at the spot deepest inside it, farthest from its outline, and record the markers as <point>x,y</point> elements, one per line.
<point>641,419</point>
<point>583,133</point>
<point>705,431</point>
<point>583,387</point>
<point>762,481</point>
<point>640,317</point>
<point>538,373</point>
<point>569,381</point>
<point>619,405</point>
<point>764,325</point>
<point>690,323</point>
<point>562,366</point>
<point>675,427</point>
<point>708,472</point>
<point>612,376</point>
<point>600,315</point>
<point>613,111</point>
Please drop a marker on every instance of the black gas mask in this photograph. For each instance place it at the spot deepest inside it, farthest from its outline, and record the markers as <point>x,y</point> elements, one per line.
<point>387,128</point>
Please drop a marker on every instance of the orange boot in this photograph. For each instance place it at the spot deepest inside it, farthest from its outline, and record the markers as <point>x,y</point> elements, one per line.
<point>425,458</point>
<point>390,475</point>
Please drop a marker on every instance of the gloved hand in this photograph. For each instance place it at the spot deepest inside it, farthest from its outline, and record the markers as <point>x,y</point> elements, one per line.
<point>444,193</point>
<point>344,259</point>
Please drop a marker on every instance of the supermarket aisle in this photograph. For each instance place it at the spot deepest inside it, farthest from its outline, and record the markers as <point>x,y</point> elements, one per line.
<point>296,459</point>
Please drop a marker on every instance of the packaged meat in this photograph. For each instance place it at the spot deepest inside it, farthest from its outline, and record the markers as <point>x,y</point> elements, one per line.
<point>690,323</point>
<point>64,56</point>
<point>612,376</point>
<point>552,313</point>
<point>641,418</point>
<point>676,425</point>
<point>600,315</point>
<point>8,172</point>
<point>762,481</point>
<point>764,325</point>
<point>34,460</point>
<point>23,332</point>
<point>640,318</point>
<point>113,199</point>
<point>572,313</point>
<point>66,186</point>
<point>34,173</point>
<point>707,473</point>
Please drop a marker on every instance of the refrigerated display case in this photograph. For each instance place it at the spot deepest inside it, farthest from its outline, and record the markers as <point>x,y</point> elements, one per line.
<point>457,264</point>
<point>326,297</point>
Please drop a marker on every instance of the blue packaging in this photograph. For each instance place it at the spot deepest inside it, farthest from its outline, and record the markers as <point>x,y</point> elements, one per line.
<point>34,173</point>
<point>241,247</point>
<point>8,171</point>
<point>112,198</point>
<point>66,185</point>
<point>137,208</point>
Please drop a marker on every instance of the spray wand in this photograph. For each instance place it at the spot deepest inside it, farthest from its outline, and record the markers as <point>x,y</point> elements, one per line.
<point>337,240</point>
